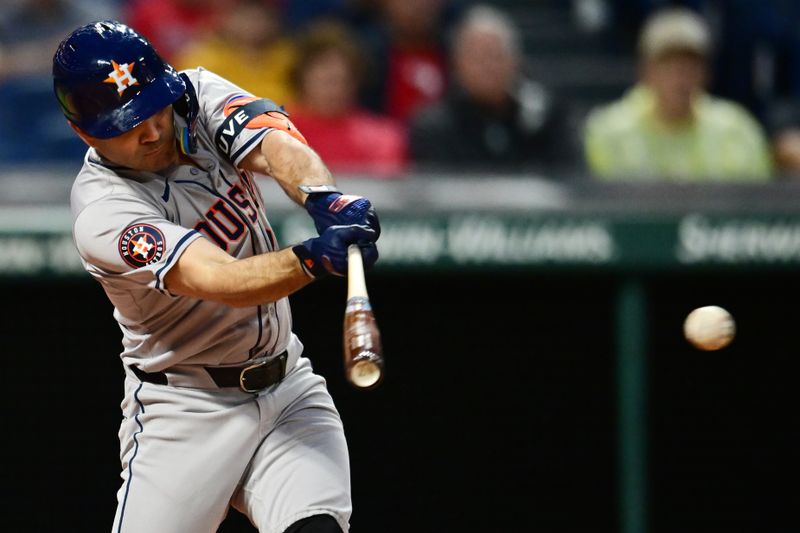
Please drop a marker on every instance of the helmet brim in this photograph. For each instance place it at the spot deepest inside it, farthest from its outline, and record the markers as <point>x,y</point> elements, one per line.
<point>151,99</point>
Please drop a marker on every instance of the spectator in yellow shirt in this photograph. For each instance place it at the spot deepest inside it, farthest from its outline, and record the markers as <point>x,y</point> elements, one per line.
<point>249,49</point>
<point>668,127</point>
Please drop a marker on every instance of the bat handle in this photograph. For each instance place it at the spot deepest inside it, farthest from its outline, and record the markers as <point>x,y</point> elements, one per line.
<point>356,282</point>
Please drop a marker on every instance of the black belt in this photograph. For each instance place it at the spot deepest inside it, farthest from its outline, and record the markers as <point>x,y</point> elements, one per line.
<point>250,377</point>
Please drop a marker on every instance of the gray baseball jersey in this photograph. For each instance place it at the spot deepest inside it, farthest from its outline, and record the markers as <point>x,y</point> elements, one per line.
<point>131,227</point>
<point>190,450</point>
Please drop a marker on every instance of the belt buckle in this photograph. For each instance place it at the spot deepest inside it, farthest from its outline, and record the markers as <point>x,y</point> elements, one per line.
<point>280,359</point>
<point>242,376</point>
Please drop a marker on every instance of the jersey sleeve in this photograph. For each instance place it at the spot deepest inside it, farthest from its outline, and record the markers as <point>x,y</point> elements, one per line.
<point>215,95</point>
<point>124,240</point>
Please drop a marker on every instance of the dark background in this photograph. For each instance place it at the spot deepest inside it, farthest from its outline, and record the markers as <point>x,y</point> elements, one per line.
<point>498,412</point>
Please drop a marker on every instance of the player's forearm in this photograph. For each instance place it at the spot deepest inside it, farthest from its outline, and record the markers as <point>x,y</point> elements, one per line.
<point>296,164</point>
<point>261,279</point>
<point>207,273</point>
<point>290,162</point>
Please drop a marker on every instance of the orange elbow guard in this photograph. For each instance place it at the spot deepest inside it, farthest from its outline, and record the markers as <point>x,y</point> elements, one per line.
<point>271,116</point>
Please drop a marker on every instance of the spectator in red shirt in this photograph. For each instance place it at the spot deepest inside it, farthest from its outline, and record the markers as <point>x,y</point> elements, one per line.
<point>408,55</point>
<point>349,139</point>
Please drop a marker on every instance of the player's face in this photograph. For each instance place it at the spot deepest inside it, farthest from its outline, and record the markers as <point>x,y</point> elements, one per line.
<point>150,146</point>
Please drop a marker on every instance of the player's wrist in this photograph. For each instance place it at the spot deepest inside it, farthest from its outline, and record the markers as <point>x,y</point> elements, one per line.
<point>327,254</point>
<point>319,203</point>
<point>310,265</point>
<point>316,194</point>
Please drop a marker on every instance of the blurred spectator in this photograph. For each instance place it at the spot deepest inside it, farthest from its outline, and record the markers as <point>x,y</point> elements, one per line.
<point>171,24</point>
<point>349,139</point>
<point>407,55</point>
<point>494,116</point>
<point>667,126</point>
<point>786,150</point>
<point>757,58</point>
<point>250,49</point>
<point>785,135</point>
<point>630,15</point>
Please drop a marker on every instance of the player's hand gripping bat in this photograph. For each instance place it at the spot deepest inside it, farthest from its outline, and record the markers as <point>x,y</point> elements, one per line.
<point>363,355</point>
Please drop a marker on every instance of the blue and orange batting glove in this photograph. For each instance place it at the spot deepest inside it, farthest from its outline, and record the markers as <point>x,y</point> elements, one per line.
<point>327,254</point>
<point>329,207</point>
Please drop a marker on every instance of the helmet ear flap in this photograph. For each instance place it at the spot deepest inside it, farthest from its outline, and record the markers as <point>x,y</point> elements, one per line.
<point>186,109</point>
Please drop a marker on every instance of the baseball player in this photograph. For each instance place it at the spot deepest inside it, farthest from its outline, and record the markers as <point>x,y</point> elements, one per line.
<point>220,406</point>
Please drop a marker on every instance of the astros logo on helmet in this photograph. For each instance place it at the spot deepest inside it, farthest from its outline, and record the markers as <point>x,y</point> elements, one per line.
<point>122,75</point>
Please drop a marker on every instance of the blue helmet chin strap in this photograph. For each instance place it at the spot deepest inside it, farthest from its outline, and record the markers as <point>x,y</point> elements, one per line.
<point>185,113</point>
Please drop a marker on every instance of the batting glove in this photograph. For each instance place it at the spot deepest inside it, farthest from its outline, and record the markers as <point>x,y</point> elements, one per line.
<point>328,207</point>
<point>327,254</point>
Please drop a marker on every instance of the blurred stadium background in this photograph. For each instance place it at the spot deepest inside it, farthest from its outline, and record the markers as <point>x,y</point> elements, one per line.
<point>537,379</point>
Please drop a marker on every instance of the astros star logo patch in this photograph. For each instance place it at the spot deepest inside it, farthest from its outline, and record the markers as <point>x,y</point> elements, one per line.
<point>141,245</point>
<point>122,75</point>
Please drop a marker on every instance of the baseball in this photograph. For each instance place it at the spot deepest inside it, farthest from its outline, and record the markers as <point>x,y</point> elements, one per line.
<point>709,328</point>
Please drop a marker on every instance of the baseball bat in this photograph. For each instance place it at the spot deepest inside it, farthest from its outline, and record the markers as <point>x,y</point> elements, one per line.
<point>363,355</point>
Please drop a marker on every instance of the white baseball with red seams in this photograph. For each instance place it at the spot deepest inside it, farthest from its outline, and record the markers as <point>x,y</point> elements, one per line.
<point>709,328</point>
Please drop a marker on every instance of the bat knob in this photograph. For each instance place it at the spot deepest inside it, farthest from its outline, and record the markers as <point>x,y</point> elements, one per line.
<point>365,371</point>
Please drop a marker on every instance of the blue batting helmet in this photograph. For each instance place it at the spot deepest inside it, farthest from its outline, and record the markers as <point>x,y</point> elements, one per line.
<point>108,79</point>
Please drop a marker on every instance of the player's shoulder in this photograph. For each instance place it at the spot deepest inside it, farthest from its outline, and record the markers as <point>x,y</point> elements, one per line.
<point>209,84</point>
<point>193,74</point>
<point>213,93</point>
<point>93,182</point>
<point>99,183</point>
